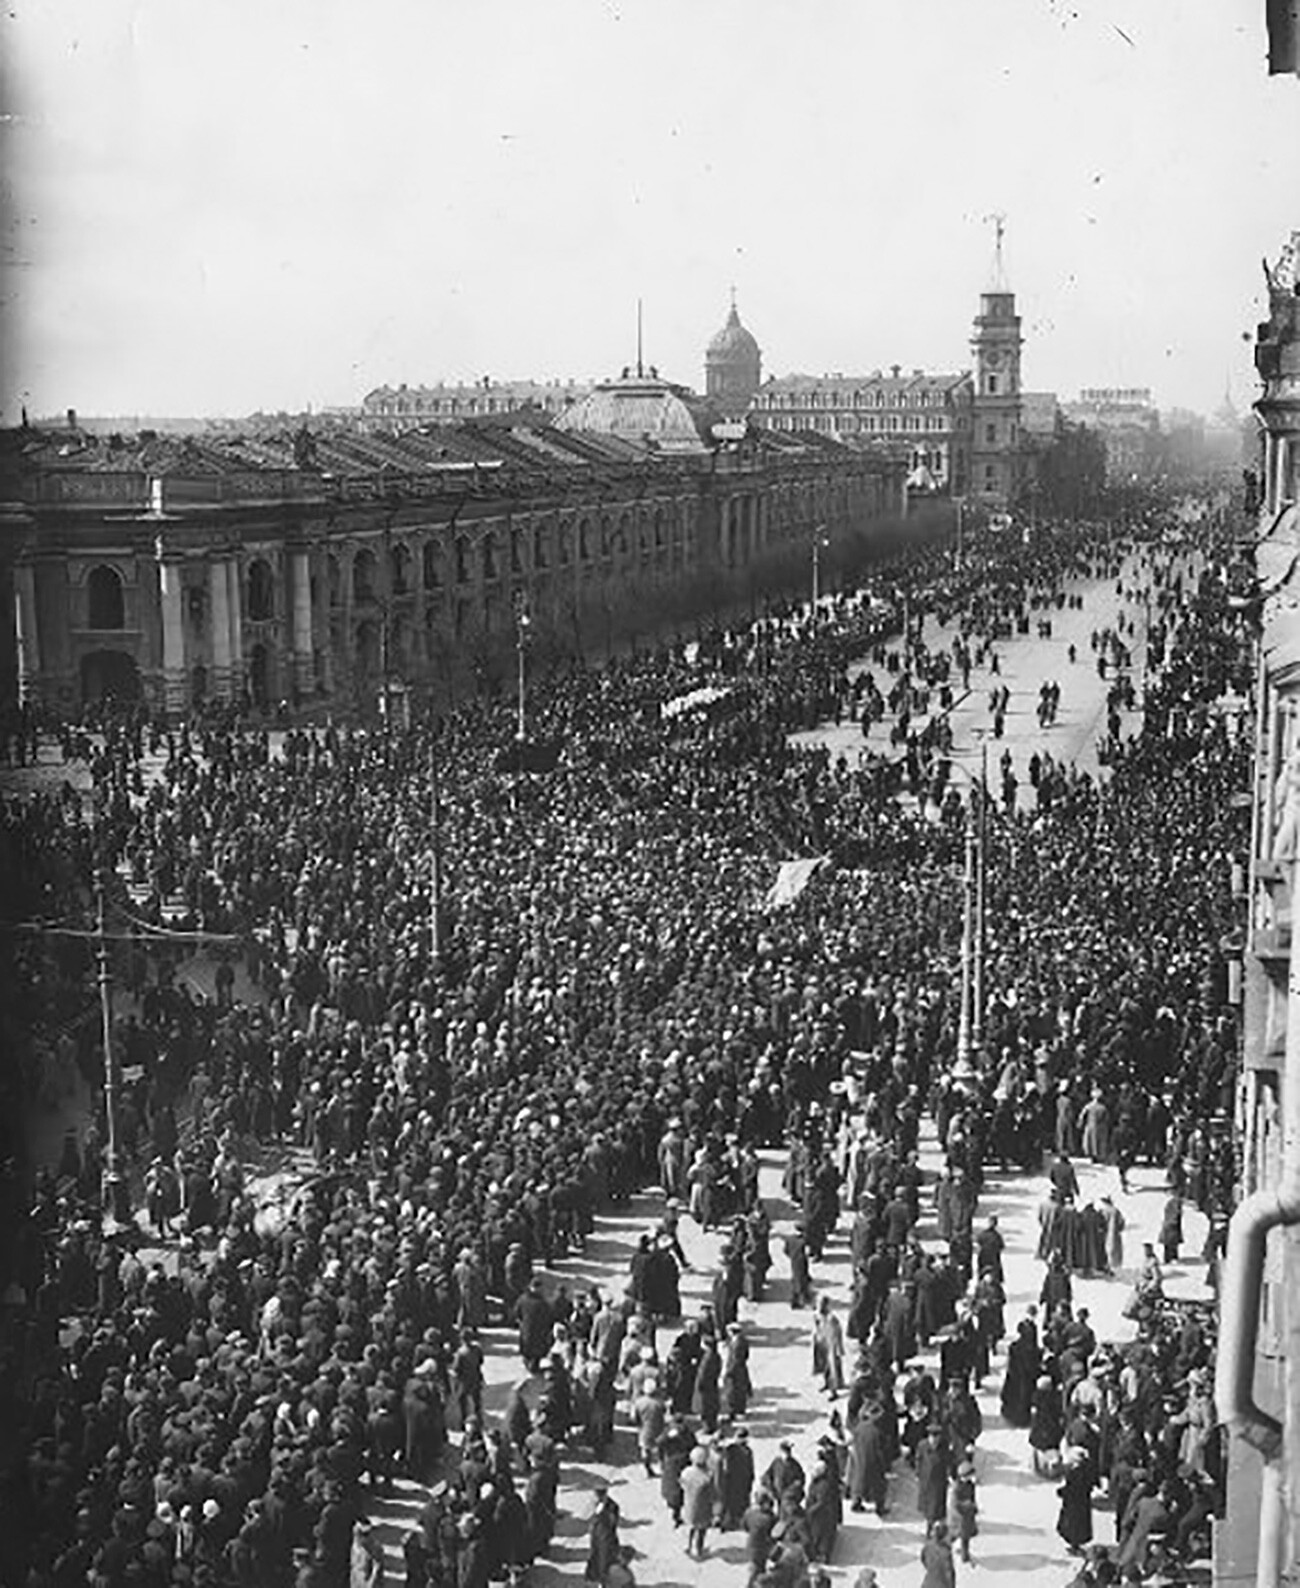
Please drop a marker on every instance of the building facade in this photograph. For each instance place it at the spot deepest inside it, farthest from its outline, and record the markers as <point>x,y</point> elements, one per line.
<point>409,407</point>
<point>1257,1390</point>
<point>926,419</point>
<point>996,439</point>
<point>316,570</point>
<point>1129,423</point>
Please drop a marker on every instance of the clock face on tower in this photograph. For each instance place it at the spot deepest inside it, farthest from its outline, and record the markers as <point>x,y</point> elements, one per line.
<point>993,359</point>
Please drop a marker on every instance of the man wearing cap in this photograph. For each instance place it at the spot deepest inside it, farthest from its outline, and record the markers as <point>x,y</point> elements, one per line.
<point>735,1478</point>
<point>759,1521</point>
<point>784,1474</point>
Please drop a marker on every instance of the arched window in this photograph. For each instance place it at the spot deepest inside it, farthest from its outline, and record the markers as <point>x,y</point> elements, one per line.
<point>489,556</point>
<point>584,540</point>
<point>541,546</point>
<point>261,591</point>
<point>462,560</point>
<point>107,607</point>
<point>432,565</point>
<point>399,647</point>
<point>399,561</point>
<point>363,576</point>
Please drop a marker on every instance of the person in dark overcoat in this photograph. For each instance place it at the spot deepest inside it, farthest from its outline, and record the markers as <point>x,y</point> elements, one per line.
<point>735,1479</point>
<point>1074,1521</point>
<point>1046,1423</point>
<point>932,1471</point>
<point>868,1462</point>
<point>602,1541</point>
<point>674,1452</point>
<point>535,1318</point>
<point>899,1326</point>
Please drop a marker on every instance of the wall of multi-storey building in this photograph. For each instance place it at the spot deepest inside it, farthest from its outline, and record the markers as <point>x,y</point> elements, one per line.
<point>1259,1370</point>
<point>300,595</point>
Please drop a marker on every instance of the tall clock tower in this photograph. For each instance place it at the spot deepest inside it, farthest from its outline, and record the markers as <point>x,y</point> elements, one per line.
<point>995,411</point>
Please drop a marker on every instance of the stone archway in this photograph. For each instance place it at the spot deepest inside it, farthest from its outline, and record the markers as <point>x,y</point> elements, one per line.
<point>109,675</point>
<point>259,675</point>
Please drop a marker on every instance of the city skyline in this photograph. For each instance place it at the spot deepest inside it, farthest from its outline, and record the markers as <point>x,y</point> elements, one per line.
<point>309,202</point>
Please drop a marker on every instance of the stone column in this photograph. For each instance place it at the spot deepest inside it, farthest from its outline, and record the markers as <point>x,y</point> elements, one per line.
<point>173,636</point>
<point>235,602</point>
<point>219,591</point>
<point>300,582</point>
<point>29,646</point>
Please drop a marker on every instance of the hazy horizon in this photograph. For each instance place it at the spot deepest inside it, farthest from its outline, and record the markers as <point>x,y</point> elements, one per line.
<point>214,210</point>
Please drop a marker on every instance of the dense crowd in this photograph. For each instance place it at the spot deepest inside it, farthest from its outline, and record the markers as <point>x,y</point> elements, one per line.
<point>609,1008</point>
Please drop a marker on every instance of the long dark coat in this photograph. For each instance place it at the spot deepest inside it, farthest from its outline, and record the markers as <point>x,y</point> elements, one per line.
<point>932,1480</point>
<point>1018,1386</point>
<point>1074,1523</point>
<point>869,1465</point>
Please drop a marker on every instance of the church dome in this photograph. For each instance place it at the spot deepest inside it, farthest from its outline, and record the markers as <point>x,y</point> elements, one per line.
<point>732,339</point>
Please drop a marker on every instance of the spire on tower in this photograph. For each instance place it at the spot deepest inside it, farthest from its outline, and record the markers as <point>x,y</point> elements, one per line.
<point>998,280</point>
<point>640,371</point>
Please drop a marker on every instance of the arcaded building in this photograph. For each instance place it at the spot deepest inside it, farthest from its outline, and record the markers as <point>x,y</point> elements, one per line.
<point>321,569</point>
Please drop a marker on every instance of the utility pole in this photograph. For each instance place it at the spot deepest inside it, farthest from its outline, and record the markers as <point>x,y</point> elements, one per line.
<point>962,1069</point>
<point>435,860</point>
<point>116,1196</point>
<point>522,622</point>
<point>981,862</point>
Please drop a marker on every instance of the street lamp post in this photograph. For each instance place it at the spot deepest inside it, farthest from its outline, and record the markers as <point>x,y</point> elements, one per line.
<point>970,1019</point>
<point>981,868</point>
<point>521,640</point>
<point>435,859</point>
<point>962,1068</point>
<point>819,541</point>
<point>116,1200</point>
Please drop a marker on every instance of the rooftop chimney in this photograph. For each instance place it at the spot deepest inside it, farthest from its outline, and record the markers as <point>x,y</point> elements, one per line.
<point>72,418</point>
<point>895,370</point>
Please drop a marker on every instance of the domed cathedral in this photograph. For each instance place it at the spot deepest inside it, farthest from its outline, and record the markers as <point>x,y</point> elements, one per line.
<point>996,344</point>
<point>733,367</point>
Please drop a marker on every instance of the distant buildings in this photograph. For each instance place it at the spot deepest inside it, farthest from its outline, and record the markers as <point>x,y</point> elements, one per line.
<point>1129,423</point>
<point>407,407</point>
<point>927,419</point>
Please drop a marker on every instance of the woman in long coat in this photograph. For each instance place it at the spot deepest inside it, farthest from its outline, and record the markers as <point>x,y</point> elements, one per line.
<point>1023,1357</point>
<point>932,1477</point>
<point>1074,1523</point>
<point>674,1452</point>
<point>706,1401</point>
<point>603,1545</point>
<point>822,1512</point>
<point>936,1557</point>
<point>737,1386</point>
<point>1047,1423</point>
<point>828,1348</point>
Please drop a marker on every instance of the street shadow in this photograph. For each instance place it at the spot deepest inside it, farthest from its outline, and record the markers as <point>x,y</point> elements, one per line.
<point>884,1544</point>
<point>1026,1562</point>
<point>773,1336</point>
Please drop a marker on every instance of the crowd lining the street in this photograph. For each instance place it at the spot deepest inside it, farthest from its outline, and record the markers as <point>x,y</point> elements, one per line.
<point>612,1008</point>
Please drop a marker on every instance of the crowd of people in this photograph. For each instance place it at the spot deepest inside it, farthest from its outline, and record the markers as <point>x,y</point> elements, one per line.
<point>491,1006</point>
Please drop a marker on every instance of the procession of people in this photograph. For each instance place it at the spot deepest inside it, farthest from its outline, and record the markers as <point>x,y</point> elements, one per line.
<point>492,1007</point>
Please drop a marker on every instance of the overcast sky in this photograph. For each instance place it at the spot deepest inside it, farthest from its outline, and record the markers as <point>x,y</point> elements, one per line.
<point>215,206</point>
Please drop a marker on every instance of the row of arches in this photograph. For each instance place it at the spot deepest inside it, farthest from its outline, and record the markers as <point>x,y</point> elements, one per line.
<point>492,555</point>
